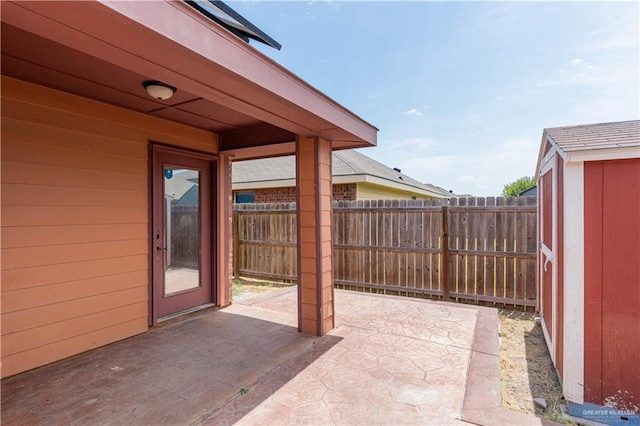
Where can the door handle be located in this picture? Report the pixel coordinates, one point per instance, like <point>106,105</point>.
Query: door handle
<point>548,255</point>
<point>158,248</point>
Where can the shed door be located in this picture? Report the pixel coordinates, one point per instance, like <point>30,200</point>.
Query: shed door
<point>181,243</point>
<point>546,255</point>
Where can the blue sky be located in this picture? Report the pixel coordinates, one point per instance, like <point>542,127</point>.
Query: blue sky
<point>461,91</point>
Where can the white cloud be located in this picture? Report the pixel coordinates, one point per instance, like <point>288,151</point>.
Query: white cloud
<point>474,179</point>
<point>413,113</point>
<point>478,171</point>
<point>576,61</point>
<point>420,143</point>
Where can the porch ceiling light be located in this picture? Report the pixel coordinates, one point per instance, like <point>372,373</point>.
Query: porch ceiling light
<point>159,90</point>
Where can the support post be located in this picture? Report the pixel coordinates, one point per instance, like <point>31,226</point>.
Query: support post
<point>315,247</point>
<point>223,243</point>
<point>236,244</point>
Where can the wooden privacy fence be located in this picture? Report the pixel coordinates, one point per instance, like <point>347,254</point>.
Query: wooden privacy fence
<point>400,247</point>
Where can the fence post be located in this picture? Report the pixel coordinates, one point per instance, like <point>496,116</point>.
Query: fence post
<point>445,253</point>
<point>235,226</point>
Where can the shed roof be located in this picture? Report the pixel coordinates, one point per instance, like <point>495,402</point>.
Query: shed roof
<point>348,166</point>
<point>596,136</point>
<point>592,142</point>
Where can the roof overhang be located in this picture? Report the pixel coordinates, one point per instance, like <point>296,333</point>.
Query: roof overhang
<point>599,154</point>
<point>342,179</point>
<point>224,85</point>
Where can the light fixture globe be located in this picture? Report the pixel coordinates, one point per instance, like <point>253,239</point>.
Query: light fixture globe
<point>159,90</point>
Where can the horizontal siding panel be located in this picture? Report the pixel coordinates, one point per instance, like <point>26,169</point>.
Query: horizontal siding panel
<point>50,255</point>
<point>24,361</point>
<point>61,118</point>
<point>75,221</point>
<point>15,130</point>
<point>38,174</point>
<point>20,152</point>
<point>47,215</point>
<point>29,298</point>
<point>16,279</point>
<point>13,322</point>
<point>99,118</point>
<point>32,195</point>
<point>64,330</point>
<point>22,236</point>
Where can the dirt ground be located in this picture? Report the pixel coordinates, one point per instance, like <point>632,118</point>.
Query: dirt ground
<point>246,288</point>
<point>526,368</point>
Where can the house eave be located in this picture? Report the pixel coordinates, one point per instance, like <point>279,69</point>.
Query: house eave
<point>341,179</point>
<point>172,42</point>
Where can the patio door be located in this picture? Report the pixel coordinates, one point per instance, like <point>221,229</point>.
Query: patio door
<point>181,246</point>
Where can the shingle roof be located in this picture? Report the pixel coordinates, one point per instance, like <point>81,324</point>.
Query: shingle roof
<point>596,136</point>
<point>345,163</point>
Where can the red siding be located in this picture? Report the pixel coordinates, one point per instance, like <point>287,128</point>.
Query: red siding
<point>612,277</point>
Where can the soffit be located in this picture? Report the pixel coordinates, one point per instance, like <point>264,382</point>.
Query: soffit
<point>223,84</point>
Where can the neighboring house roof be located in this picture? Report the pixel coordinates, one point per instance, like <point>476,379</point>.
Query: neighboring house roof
<point>593,141</point>
<point>180,183</point>
<point>533,191</point>
<point>349,166</point>
<point>190,198</point>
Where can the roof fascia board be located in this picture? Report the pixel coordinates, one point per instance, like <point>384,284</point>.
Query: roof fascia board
<point>604,154</point>
<point>263,151</point>
<point>399,185</point>
<point>361,178</point>
<point>262,71</point>
<point>61,25</point>
<point>265,184</point>
<point>546,138</point>
<point>365,178</point>
<point>182,47</point>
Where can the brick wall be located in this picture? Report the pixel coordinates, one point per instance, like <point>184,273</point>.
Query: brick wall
<point>345,191</point>
<point>275,195</point>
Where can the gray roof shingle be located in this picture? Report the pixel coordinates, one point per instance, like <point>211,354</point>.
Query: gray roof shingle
<point>345,163</point>
<point>596,136</point>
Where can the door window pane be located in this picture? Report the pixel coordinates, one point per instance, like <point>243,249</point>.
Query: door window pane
<point>182,230</point>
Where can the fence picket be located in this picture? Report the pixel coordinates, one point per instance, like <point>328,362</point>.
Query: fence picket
<point>397,247</point>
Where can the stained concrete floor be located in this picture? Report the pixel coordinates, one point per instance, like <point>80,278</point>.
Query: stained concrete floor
<point>390,360</point>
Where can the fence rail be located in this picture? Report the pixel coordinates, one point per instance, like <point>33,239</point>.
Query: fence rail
<point>400,246</point>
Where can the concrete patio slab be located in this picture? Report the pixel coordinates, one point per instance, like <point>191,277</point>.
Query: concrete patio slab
<point>398,361</point>
<point>390,360</point>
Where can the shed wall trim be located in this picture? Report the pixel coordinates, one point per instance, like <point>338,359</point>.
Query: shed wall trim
<point>604,154</point>
<point>573,356</point>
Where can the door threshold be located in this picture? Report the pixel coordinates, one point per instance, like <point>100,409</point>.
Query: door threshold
<point>185,312</point>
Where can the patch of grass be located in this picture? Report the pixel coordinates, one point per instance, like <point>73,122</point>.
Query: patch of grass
<point>236,287</point>
<point>247,288</point>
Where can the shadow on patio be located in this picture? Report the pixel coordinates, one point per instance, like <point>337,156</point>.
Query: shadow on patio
<point>178,373</point>
<point>390,360</point>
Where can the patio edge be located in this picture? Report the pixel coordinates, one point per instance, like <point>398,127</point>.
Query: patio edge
<point>482,399</point>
